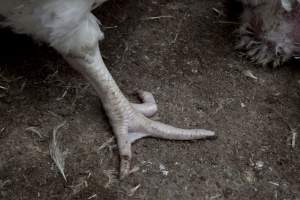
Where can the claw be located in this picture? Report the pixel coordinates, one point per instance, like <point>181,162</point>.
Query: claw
<point>129,121</point>
<point>164,131</point>
<point>139,127</point>
<point>124,167</point>
<point>148,107</point>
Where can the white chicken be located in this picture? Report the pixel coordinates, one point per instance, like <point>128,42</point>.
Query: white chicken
<point>69,27</point>
<point>270,30</point>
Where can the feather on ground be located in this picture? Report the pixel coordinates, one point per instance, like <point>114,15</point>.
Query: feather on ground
<point>70,28</point>
<point>56,153</point>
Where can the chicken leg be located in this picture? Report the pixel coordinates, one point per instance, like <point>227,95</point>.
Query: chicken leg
<point>129,121</point>
<point>70,28</point>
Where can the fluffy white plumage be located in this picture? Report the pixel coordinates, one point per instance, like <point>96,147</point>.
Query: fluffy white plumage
<point>71,28</point>
<point>61,23</point>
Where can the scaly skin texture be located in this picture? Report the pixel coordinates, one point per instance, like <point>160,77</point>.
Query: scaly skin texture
<point>129,121</point>
<point>270,31</point>
<point>71,28</point>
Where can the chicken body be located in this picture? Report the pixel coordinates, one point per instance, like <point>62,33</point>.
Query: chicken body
<point>270,30</point>
<point>57,22</point>
<point>70,28</point>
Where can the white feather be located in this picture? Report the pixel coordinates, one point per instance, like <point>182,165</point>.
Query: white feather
<point>64,24</point>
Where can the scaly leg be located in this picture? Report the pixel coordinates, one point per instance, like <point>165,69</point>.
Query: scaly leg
<point>129,121</point>
<point>70,28</point>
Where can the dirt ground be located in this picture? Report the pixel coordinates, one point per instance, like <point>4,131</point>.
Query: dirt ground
<point>185,57</point>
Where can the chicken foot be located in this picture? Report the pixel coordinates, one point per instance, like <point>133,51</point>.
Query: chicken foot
<point>129,121</point>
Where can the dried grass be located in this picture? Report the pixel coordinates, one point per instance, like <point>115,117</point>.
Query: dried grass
<point>35,131</point>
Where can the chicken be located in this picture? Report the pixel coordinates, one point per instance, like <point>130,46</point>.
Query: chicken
<point>270,30</point>
<point>69,27</point>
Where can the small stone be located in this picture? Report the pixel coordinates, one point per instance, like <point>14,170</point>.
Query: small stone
<point>163,170</point>
<point>259,165</point>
